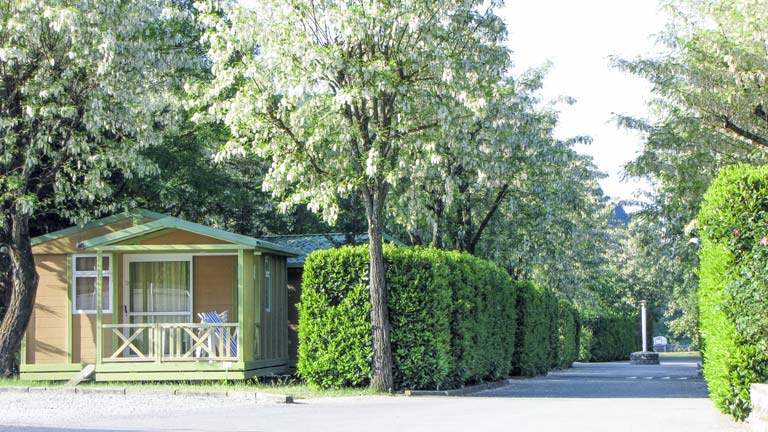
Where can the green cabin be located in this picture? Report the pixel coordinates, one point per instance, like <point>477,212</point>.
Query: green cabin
<point>144,297</point>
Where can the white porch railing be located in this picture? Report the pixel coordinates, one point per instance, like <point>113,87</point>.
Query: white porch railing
<point>172,342</point>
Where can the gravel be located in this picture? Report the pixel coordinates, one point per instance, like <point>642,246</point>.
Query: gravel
<point>61,409</point>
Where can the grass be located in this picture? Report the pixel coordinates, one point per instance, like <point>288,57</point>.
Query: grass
<point>282,386</point>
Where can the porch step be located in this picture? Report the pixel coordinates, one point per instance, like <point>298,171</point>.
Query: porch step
<point>84,375</point>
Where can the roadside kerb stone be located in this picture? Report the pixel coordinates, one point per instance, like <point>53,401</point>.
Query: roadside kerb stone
<point>101,390</point>
<point>273,398</point>
<point>201,393</point>
<point>130,391</point>
<point>67,390</point>
<point>459,392</point>
<point>14,389</point>
<point>137,391</point>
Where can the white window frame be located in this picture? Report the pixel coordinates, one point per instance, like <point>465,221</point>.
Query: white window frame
<point>105,309</point>
<point>268,283</point>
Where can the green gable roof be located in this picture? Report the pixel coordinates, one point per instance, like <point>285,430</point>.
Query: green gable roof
<point>136,213</point>
<point>161,222</point>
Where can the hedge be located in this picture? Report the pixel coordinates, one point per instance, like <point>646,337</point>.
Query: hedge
<point>452,316</point>
<point>568,334</point>
<point>537,310</point>
<point>608,336</point>
<point>733,285</point>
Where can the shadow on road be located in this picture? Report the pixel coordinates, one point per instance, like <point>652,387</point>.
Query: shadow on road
<point>676,377</point>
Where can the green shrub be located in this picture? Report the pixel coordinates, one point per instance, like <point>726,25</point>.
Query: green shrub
<point>608,336</point>
<point>452,317</point>
<point>733,284</point>
<point>568,334</point>
<point>333,313</point>
<point>534,350</point>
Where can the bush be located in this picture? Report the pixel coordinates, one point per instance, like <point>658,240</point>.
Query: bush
<point>483,320</point>
<point>535,350</point>
<point>608,336</point>
<point>569,330</point>
<point>733,285</point>
<point>452,318</point>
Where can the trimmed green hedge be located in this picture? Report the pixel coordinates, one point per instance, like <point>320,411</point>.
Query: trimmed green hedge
<point>453,318</point>
<point>733,285</point>
<point>608,336</point>
<point>537,311</point>
<point>568,334</point>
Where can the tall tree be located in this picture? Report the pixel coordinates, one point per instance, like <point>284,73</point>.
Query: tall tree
<point>347,97</point>
<point>710,112</point>
<point>84,88</point>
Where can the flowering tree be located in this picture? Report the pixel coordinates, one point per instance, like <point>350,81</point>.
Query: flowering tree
<point>351,98</point>
<point>84,87</point>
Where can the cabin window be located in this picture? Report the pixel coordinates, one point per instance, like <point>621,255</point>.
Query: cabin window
<point>84,276</point>
<point>268,283</point>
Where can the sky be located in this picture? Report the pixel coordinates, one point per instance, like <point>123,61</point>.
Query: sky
<point>577,37</point>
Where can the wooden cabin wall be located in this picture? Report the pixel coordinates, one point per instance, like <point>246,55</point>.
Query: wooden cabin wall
<point>47,330</point>
<point>294,297</point>
<point>214,281</point>
<point>274,324</point>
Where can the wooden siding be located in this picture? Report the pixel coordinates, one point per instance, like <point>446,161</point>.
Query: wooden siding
<point>180,237</point>
<point>213,281</point>
<point>294,297</point>
<point>274,324</point>
<point>47,330</point>
<point>68,244</point>
<point>84,337</point>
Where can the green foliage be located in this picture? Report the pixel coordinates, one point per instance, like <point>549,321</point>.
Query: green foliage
<point>534,349</point>
<point>334,320</point>
<point>732,292</point>
<point>483,318</point>
<point>569,331</point>
<point>453,318</point>
<point>608,336</point>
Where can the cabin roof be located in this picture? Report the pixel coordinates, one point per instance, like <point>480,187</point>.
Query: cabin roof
<point>308,243</point>
<point>160,222</point>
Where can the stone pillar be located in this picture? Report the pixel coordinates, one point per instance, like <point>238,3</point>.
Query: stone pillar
<point>644,357</point>
<point>643,329</point>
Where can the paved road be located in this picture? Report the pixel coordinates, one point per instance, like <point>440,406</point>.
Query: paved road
<point>589,397</point>
<point>676,377</point>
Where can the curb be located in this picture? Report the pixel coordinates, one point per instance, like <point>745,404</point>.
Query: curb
<point>262,398</point>
<point>459,392</point>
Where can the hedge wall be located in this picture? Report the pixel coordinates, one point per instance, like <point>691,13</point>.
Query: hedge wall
<point>453,318</point>
<point>537,331</point>
<point>568,334</point>
<point>733,285</point>
<point>608,336</point>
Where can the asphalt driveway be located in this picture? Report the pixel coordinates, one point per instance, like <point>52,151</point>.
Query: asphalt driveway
<point>589,397</point>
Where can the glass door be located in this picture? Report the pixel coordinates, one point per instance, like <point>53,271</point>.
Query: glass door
<point>158,289</point>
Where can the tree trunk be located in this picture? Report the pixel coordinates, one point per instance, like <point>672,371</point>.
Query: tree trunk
<point>382,351</point>
<point>437,227</point>
<point>23,289</point>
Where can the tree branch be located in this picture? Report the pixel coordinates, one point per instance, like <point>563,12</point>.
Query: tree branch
<point>500,196</point>
<point>754,138</point>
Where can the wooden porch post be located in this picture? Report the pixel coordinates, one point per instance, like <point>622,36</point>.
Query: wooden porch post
<point>240,302</point>
<point>99,307</point>
<point>70,345</point>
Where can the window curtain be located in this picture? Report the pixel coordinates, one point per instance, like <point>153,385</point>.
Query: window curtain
<point>160,287</point>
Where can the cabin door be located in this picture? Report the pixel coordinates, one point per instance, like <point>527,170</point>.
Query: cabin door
<point>157,289</point>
